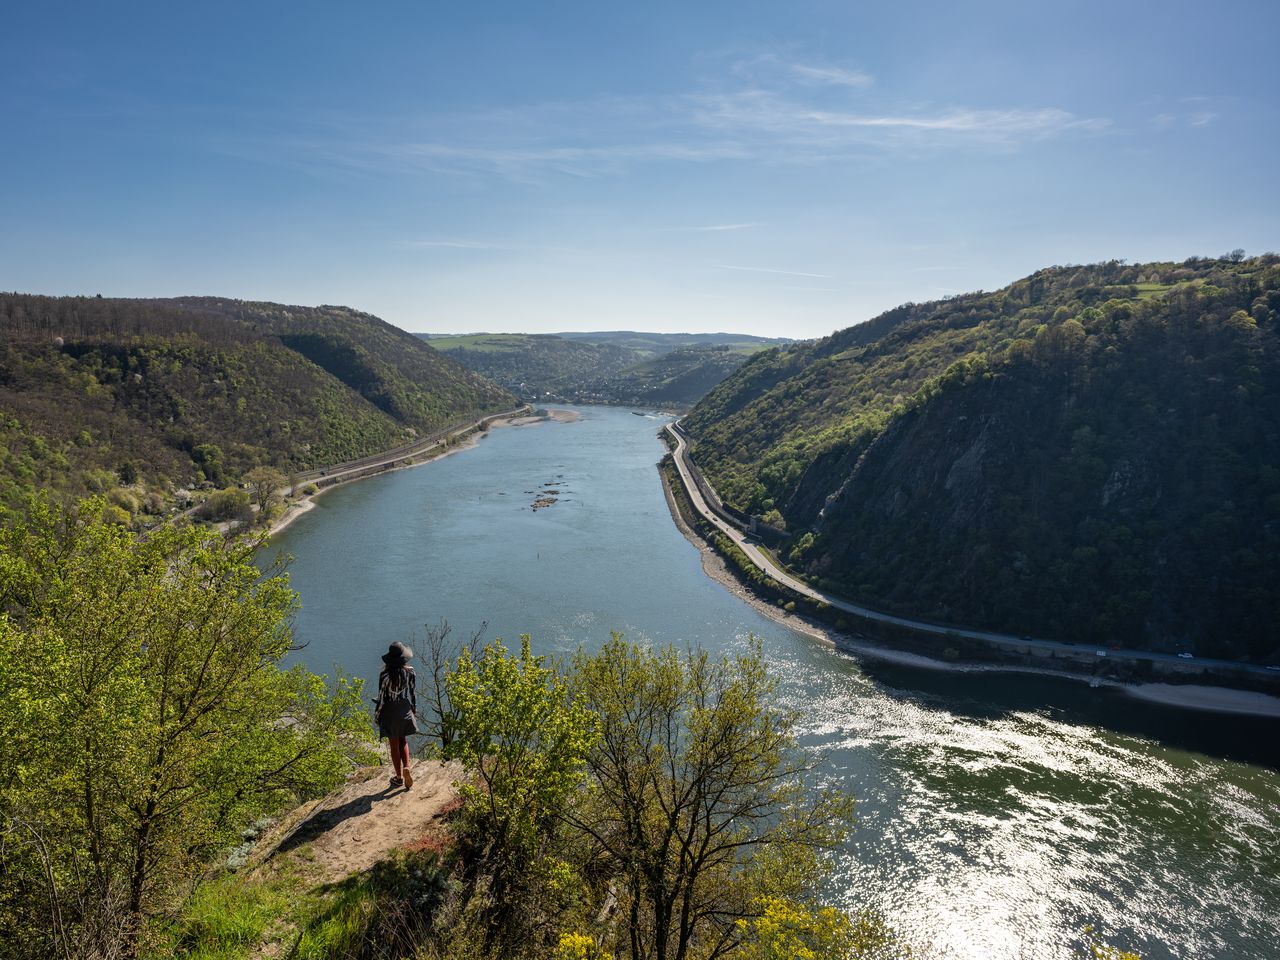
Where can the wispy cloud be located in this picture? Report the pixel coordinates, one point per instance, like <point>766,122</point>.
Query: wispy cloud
<point>1001,123</point>
<point>1199,118</point>
<point>771,66</point>
<point>836,76</point>
<point>716,227</point>
<point>457,244</point>
<point>784,273</point>
<point>765,110</point>
<point>767,113</point>
<point>384,154</point>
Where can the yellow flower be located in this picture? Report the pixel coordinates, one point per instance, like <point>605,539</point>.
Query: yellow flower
<point>578,946</point>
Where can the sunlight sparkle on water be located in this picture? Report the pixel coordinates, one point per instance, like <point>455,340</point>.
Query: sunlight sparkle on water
<point>997,816</point>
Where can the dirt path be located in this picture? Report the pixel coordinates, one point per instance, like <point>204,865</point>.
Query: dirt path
<point>364,821</point>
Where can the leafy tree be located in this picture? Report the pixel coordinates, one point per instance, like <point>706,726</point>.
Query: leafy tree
<point>144,719</point>
<point>789,930</point>
<point>208,457</point>
<point>265,484</point>
<point>229,504</point>
<point>117,515</point>
<point>524,738</point>
<point>658,788</point>
<point>697,802</point>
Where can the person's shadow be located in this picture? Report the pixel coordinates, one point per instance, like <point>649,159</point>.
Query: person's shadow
<point>323,820</point>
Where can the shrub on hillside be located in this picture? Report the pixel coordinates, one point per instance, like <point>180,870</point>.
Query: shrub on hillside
<point>229,504</point>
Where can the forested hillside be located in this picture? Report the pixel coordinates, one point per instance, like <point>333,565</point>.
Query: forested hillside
<point>536,365</point>
<point>387,366</point>
<point>1091,453</point>
<point>674,369</point>
<point>96,393</point>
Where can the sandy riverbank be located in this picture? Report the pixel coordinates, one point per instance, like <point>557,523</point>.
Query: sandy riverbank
<point>1189,696</point>
<point>559,416</point>
<point>293,510</point>
<point>1216,699</point>
<point>303,504</point>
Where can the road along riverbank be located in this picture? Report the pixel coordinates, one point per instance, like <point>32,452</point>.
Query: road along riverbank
<point>428,450</point>
<point>1167,680</point>
<point>998,815</point>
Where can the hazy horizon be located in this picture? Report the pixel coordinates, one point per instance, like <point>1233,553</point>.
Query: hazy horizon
<point>587,328</point>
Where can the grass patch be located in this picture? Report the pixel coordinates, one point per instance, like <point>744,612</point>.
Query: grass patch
<point>226,919</point>
<point>1148,291</point>
<point>340,926</point>
<point>482,342</point>
<point>749,347</point>
<point>284,913</point>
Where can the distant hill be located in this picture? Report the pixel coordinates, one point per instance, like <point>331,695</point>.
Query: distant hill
<point>628,367</point>
<point>1091,453</point>
<point>98,392</point>
<point>654,344</point>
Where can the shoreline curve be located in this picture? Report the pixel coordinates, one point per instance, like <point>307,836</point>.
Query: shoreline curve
<point>306,503</point>
<point>1177,696</point>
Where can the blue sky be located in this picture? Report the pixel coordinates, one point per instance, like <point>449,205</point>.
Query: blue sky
<point>772,168</point>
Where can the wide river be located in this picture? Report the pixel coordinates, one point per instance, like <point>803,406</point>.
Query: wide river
<point>997,814</point>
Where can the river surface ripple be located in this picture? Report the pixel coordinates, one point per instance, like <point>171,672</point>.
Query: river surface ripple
<point>997,814</point>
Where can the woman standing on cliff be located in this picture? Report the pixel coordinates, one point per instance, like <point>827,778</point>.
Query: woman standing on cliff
<point>395,708</point>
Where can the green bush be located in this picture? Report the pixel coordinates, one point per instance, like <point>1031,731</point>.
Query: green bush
<point>169,649</point>
<point>123,499</point>
<point>229,504</point>
<point>116,516</point>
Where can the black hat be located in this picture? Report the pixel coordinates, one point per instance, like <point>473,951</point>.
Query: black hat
<point>397,654</point>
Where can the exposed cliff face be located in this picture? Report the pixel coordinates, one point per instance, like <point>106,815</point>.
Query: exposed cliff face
<point>1112,477</point>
